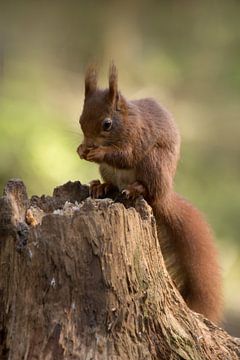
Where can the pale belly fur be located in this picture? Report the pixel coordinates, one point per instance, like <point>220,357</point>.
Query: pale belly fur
<point>118,177</point>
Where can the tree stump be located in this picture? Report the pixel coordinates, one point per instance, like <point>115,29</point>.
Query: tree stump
<point>85,279</point>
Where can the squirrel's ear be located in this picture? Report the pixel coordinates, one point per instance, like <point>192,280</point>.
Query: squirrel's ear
<point>90,80</point>
<point>113,79</point>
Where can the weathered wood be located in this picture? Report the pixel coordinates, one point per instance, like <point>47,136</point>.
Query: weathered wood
<point>88,281</point>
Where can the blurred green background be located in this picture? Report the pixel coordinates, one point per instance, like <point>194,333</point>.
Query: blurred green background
<point>185,54</point>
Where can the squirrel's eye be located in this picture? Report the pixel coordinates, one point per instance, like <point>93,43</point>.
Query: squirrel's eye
<point>107,124</point>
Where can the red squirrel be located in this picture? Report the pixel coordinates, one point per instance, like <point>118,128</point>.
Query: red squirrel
<point>137,145</point>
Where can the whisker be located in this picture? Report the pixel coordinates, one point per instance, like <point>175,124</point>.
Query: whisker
<point>115,146</point>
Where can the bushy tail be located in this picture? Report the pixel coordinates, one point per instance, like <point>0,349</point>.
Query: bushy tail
<point>190,255</point>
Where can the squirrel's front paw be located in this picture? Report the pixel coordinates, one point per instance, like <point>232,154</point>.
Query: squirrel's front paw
<point>82,151</point>
<point>96,154</point>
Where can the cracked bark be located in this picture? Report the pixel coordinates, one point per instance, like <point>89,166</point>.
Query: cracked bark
<point>87,280</point>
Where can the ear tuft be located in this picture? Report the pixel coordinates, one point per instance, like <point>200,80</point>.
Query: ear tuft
<point>113,80</point>
<point>91,79</point>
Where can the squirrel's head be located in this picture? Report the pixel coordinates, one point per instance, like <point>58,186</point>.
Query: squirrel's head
<point>104,111</point>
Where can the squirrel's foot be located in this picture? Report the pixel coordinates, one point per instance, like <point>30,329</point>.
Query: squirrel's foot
<point>134,190</point>
<point>98,190</point>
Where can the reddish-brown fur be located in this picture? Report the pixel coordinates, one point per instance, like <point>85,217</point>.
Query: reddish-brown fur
<point>139,155</point>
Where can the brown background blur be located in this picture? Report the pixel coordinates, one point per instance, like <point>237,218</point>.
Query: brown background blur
<point>185,54</point>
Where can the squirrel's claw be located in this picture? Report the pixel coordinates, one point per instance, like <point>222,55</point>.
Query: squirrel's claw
<point>126,192</point>
<point>134,190</point>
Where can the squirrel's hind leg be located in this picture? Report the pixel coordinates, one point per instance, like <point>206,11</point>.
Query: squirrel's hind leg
<point>134,190</point>
<point>99,190</point>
